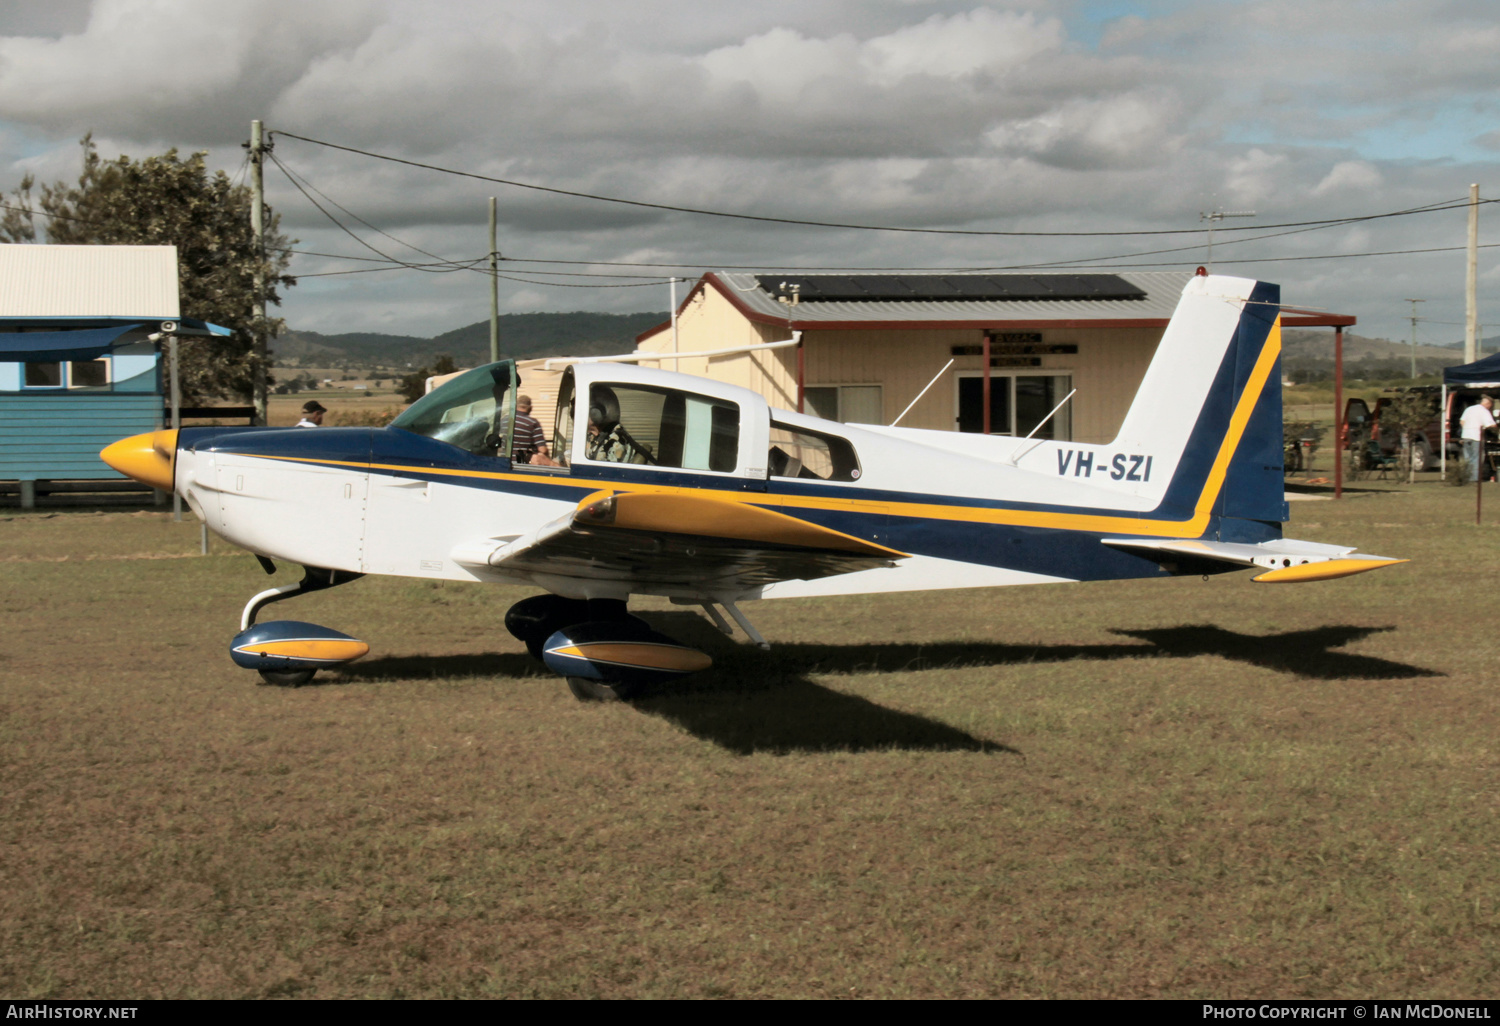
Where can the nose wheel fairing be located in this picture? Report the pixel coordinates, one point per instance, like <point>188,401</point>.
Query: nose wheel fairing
<point>289,652</point>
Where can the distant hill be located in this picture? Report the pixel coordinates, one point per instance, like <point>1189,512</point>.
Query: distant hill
<point>522,337</point>
<point>1308,355</point>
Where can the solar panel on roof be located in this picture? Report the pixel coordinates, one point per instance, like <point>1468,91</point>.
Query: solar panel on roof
<point>950,287</point>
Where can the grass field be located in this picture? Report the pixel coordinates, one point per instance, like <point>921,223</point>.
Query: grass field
<point>1179,789</point>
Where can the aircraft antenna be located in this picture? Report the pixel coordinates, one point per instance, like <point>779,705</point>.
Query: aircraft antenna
<point>923,392</point>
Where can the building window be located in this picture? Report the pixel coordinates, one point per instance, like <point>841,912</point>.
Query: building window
<point>88,374</point>
<point>74,374</point>
<point>847,404</point>
<point>44,374</point>
<point>1018,403</point>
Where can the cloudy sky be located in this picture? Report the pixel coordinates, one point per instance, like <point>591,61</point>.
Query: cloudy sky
<point>1049,116</point>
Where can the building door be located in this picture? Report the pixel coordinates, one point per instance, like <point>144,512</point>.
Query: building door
<point>1018,402</point>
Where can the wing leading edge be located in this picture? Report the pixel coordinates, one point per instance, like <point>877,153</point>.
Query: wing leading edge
<point>694,542</point>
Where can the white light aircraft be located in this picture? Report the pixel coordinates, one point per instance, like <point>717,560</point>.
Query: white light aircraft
<point>678,486</point>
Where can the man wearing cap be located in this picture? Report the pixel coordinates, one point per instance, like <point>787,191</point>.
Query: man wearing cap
<point>312,414</point>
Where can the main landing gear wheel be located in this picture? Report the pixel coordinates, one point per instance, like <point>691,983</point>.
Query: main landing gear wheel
<point>532,621</point>
<point>286,678</point>
<point>597,691</point>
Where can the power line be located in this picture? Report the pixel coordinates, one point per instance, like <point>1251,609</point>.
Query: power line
<point>290,174</point>
<point>56,217</point>
<point>834,224</point>
<point>1336,256</point>
<point>397,265</point>
<point>353,235</point>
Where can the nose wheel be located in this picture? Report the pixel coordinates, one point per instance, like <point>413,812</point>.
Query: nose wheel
<point>586,690</point>
<point>286,678</point>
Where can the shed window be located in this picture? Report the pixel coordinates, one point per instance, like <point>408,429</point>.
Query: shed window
<point>79,374</point>
<point>88,374</point>
<point>45,374</point>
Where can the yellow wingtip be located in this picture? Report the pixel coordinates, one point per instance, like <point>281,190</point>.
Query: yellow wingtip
<point>1326,570</point>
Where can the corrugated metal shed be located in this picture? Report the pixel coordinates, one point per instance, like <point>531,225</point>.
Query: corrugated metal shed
<point>76,282</point>
<point>1162,288</point>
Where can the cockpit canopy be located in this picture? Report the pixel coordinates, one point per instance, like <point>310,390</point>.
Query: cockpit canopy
<point>474,411</point>
<point>640,416</point>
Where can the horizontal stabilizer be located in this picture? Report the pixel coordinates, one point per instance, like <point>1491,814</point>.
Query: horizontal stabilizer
<point>1285,560</point>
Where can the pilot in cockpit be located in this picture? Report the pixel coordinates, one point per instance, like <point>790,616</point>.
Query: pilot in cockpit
<point>608,441</point>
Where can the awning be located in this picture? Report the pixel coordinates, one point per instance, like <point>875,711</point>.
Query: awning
<point>1483,373</point>
<point>36,346</point>
<point>193,326</point>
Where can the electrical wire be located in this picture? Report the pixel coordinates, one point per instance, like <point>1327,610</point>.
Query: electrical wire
<point>353,235</point>
<point>783,269</point>
<point>1333,256</point>
<point>291,174</point>
<point>860,227</point>
<point>55,217</point>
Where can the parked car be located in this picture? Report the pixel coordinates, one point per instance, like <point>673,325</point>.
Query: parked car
<point>1362,423</point>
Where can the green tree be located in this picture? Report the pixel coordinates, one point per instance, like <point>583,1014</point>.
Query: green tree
<point>1405,417</point>
<point>414,385</point>
<point>172,201</point>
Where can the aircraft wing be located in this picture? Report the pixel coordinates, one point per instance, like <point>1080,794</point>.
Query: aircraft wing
<point>1285,560</point>
<point>690,541</point>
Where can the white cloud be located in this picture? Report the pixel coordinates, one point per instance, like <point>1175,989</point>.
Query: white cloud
<point>927,113</point>
<point>1255,177</point>
<point>983,40</point>
<point>145,65</point>
<point>1131,130</point>
<point>1349,176</point>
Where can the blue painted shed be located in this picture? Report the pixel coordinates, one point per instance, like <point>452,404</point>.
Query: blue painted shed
<point>80,362</point>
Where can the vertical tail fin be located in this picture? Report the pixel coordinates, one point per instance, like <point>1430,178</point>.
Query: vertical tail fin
<point>1212,395</point>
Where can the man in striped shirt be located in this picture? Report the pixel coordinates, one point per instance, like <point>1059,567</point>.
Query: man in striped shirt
<point>530,441</point>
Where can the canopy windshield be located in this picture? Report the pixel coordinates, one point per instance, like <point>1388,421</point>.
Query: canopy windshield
<point>473,411</point>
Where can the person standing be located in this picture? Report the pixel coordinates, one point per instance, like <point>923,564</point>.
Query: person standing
<point>312,414</point>
<point>530,441</point>
<point>1475,421</point>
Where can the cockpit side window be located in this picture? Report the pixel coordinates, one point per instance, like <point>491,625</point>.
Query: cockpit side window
<point>662,427</point>
<point>474,411</point>
<point>796,452</point>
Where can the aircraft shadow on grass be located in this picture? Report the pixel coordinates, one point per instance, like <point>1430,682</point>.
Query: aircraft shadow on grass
<point>755,701</point>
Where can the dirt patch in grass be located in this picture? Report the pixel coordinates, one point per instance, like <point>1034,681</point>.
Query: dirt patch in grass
<point>1183,789</point>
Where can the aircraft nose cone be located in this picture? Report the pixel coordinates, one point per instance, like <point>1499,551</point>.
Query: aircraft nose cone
<point>148,458</point>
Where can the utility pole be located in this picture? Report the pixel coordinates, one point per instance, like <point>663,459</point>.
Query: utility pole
<point>494,289</point>
<point>1218,215</point>
<point>673,300</point>
<point>258,227</point>
<point>1471,321</point>
<point>1414,303</point>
